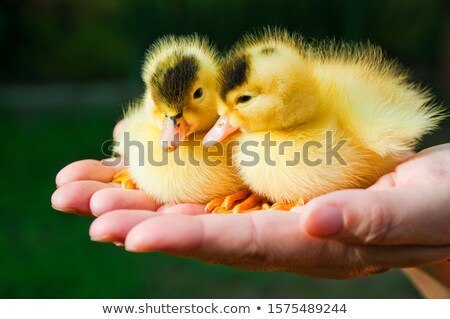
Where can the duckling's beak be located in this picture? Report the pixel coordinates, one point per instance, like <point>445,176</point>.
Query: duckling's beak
<point>173,132</point>
<point>221,130</point>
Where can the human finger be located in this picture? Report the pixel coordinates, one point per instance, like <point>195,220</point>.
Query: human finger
<point>75,197</point>
<point>114,226</point>
<point>398,216</point>
<point>270,241</point>
<point>118,129</point>
<point>86,170</point>
<point>109,199</point>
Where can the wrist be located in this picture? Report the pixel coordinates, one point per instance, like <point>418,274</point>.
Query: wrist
<point>439,271</point>
<point>433,281</point>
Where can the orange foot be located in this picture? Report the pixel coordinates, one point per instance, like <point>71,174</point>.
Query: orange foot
<point>124,178</point>
<point>247,202</point>
<point>283,206</point>
<point>253,202</point>
<point>265,204</point>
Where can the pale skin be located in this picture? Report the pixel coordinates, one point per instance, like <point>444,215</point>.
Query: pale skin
<point>402,221</point>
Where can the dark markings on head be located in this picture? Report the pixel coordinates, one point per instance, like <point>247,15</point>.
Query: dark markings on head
<point>171,84</point>
<point>267,50</point>
<point>234,73</point>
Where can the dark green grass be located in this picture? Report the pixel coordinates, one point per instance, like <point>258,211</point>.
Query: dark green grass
<point>47,254</point>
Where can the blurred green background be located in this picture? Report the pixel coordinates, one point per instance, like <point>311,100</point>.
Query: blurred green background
<point>67,70</point>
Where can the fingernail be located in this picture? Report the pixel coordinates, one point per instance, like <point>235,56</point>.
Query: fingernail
<point>95,213</point>
<point>102,238</point>
<point>118,243</point>
<point>66,209</point>
<point>325,222</point>
<point>132,249</point>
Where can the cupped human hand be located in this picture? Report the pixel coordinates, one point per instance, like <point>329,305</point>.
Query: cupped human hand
<point>401,221</point>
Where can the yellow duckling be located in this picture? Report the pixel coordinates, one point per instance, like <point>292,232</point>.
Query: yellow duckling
<point>161,142</point>
<point>316,118</point>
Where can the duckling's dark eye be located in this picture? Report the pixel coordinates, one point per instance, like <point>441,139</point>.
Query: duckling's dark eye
<point>243,98</point>
<point>198,93</point>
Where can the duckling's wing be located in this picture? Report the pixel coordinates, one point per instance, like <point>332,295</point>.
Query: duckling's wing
<point>377,102</point>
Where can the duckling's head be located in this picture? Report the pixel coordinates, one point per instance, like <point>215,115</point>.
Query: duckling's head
<point>181,78</point>
<point>267,84</point>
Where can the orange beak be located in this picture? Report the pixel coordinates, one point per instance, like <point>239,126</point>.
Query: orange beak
<point>220,131</point>
<point>173,132</point>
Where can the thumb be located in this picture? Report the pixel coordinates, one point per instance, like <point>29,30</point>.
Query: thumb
<point>118,129</point>
<point>404,215</point>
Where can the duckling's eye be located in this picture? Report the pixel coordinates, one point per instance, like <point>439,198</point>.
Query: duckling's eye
<point>198,93</point>
<point>243,99</point>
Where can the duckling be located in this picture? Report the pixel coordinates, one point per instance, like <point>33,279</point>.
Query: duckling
<point>161,141</point>
<point>318,118</point>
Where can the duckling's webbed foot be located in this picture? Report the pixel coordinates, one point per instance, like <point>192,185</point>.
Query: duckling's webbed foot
<point>253,202</point>
<point>240,202</point>
<point>223,205</point>
<point>281,206</point>
<point>284,206</point>
<point>124,179</point>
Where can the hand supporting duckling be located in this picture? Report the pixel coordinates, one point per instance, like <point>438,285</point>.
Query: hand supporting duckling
<point>408,226</point>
